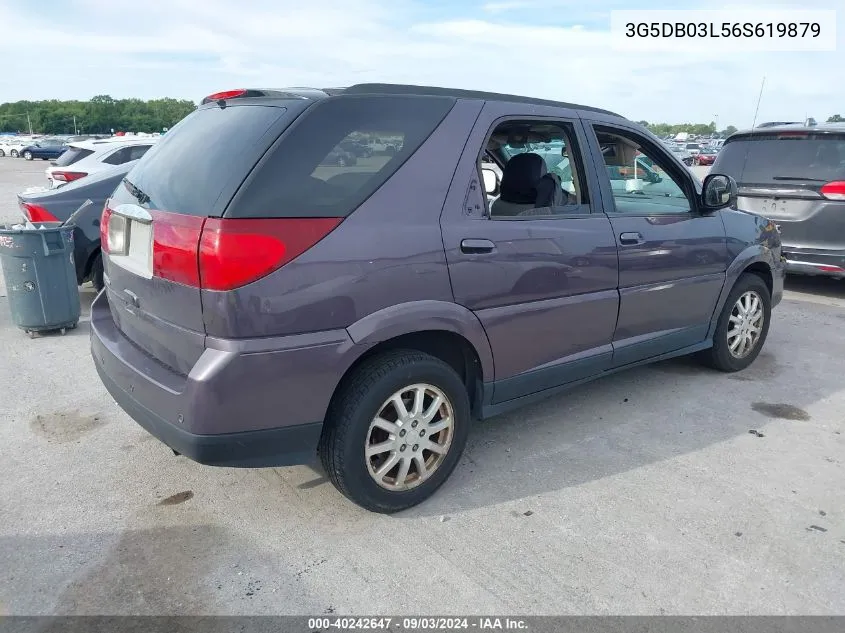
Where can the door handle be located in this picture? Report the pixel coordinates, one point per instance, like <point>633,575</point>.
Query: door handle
<point>475,246</point>
<point>631,238</point>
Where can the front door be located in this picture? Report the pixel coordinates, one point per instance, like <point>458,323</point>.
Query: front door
<point>541,279</point>
<point>672,258</point>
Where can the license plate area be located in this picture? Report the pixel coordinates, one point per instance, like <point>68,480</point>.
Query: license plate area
<point>130,235</point>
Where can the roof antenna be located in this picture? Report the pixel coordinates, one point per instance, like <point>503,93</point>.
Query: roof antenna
<point>753,127</point>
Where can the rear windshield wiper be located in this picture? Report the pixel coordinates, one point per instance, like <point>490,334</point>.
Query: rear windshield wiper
<point>139,195</point>
<point>798,178</point>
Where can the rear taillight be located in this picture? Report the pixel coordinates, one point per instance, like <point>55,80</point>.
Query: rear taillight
<point>233,253</point>
<point>35,213</point>
<point>834,190</point>
<point>104,228</point>
<point>68,176</point>
<point>215,253</point>
<point>175,242</point>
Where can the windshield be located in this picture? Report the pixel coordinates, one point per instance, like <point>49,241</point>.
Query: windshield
<point>771,158</point>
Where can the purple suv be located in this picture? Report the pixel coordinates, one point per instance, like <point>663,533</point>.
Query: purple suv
<point>266,303</point>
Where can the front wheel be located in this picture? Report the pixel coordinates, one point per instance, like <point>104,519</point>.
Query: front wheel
<point>14,153</point>
<point>743,326</point>
<point>27,155</point>
<point>396,430</point>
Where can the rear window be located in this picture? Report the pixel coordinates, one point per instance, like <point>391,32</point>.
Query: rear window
<point>189,168</point>
<point>768,158</point>
<point>339,153</point>
<point>72,155</point>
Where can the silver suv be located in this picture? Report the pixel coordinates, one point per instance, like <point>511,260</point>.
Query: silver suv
<point>795,176</point>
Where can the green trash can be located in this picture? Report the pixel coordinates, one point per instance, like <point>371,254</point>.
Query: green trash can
<point>40,276</point>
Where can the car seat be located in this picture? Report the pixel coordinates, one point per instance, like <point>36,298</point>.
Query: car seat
<point>518,191</point>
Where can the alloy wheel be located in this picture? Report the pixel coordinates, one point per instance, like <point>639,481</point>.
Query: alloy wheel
<point>745,324</point>
<point>409,437</point>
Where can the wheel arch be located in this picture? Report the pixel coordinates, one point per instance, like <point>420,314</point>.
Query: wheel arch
<point>445,330</point>
<point>756,260</point>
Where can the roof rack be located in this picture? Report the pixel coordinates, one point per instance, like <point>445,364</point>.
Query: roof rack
<point>407,89</point>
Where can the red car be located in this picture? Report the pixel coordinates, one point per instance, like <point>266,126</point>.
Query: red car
<point>706,156</point>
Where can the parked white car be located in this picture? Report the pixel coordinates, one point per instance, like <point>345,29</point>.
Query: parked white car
<point>12,146</point>
<point>87,157</point>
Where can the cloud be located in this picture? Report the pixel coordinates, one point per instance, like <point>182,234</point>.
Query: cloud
<point>547,48</point>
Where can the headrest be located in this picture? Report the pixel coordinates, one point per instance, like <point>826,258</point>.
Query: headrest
<point>520,177</point>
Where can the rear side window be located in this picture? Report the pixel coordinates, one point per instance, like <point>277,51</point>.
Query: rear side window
<point>187,170</point>
<point>72,155</point>
<point>118,158</point>
<point>137,151</point>
<point>125,154</point>
<point>768,158</point>
<point>339,153</point>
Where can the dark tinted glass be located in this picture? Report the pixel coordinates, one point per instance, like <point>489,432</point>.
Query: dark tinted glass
<point>117,158</point>
<point>337,154</point>
<point>771,158</point>
<point>189,167</point>
<point>137,151</point>
<point>72,155</point>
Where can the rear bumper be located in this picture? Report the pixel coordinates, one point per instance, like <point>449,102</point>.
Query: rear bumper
<point>805,261</point>
<point>246,403</point>
<point>282,446</point>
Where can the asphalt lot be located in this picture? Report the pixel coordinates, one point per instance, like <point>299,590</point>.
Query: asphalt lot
<point>642,493</point>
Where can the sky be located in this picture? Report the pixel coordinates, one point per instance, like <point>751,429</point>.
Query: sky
<point>556,49</point>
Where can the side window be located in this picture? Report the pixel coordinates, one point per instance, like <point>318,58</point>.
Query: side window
<point>640,178</point>
<point>541,174</point>
<point>119,157</point>
<point>338,154</point>
<point>137,151</point>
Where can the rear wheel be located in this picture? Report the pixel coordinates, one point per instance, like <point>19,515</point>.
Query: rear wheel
<point>27,155</point>
<point>396,430</point>
<point>743,326</point>
<point>97,272</point>
<point>2,153</point>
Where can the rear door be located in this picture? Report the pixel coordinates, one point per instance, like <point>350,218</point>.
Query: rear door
<point>795,178</point>
<point>544,287</point>
<point>153,221</point>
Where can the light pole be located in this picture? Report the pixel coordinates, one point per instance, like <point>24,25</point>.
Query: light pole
<point>716,117</point>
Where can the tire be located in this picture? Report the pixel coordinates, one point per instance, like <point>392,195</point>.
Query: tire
<point>2,154</point>
<point>350,427</point>
<point>97,272</point>
<point>14,153</point>
<point>27,155</point>
<point>720,356</point>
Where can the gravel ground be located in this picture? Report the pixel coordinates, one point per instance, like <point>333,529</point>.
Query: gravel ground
<point>642,493</point>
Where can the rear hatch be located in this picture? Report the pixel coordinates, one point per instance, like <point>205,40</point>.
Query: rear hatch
<point>61,172</point>
<point>153,224</point>
<point>794,177</point>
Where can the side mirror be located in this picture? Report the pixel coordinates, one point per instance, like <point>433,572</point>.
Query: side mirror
<point>718,191</point>
<point>491,181</point>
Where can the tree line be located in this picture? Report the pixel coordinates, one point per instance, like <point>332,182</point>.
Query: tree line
<point>100,115</point>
